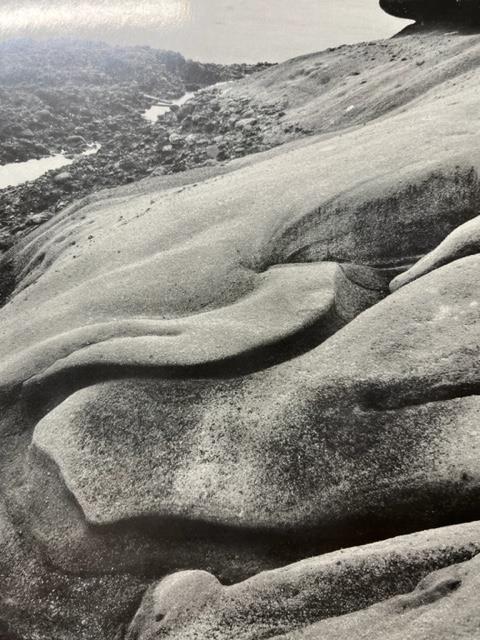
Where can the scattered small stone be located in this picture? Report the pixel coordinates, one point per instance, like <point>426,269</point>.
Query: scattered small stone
<point>63,177</point>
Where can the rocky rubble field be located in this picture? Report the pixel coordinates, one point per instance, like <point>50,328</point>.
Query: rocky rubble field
<point>62,96</point>
<point>204,131</point>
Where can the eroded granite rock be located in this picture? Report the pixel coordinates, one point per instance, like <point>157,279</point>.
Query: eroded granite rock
<point>442,607</point>
<point>207,373</point>
<point>320,592</point>
<point>463,241</point>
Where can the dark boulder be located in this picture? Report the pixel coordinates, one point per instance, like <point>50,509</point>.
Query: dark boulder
<point>467,11</point>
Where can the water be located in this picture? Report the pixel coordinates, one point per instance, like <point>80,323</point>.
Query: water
<point>15,173</point>
<point>153,113</point>
<point>209,30</point>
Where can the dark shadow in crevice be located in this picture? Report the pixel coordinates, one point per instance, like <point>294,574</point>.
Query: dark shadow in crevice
<point>442,25</point>
<point>415,392</point>
<point>7,279</point>
<point>6,633</point>
<point>257,549</point>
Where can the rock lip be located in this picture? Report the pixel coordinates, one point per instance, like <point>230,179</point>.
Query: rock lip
<point>312,599</point>
<point>466,11</point>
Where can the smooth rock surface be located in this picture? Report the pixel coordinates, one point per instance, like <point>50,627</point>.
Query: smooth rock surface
<point>361,447</point>
<point>193,605</point>
<point>463,241</point>
<point>442,607</point>
<point>227,232</point>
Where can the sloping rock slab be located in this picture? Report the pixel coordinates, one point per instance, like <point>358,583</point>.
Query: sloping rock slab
<point>194,605</point>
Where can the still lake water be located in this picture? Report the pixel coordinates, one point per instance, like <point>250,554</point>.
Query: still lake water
<point>15,173</point>
<point>153,113</point>
<point>207,30</point>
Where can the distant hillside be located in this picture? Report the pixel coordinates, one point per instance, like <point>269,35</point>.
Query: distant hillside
<point>25,62</point>
<point>351,85</point>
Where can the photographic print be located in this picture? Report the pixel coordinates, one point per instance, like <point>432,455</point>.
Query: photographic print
<point>239,319</point>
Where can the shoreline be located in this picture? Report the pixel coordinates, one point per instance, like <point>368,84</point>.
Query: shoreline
<point>46,110</point>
